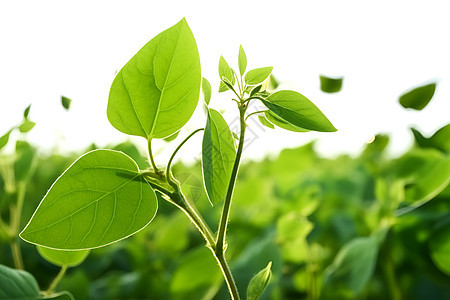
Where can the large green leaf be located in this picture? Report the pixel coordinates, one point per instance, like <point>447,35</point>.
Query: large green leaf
<point>439,140</point>
<point>256,76</point>
<point>157,91</point>
<point>330,85</point>
<point>352,268</point>
<point>218,154</point>
<point>259,283</point>
<point>63,257</point>
<point>419,97</point>
<point>17,284</point>
<point>101,198</point>
<point>298,110</point>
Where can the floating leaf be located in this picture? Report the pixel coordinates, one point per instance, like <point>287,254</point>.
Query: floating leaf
<point>257,76</point>
<point>26,126</point>
<point>262,119</point>
<point>65,102</point>
<point>100,199</point>
<point>298,110</point>
<point>4,139</point>
<point>439,140</point>
<point>259,283</point>
<point>330,85</point>
<point>63,257</point>
<point>206,89</point>
<point>419,97</point>
<point>271,117</point>
<point>26,112</point>
<point>242,59</point>
<point>156,92</point>
<point>218,154</point>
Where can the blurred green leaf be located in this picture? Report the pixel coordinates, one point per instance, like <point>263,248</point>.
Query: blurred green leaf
<point>62,257</point>
<point>4,139</point>
<point>66,102</point>
<point>25,161</point>
<point>173,236</point>
<point>242,60</point>
<point>439,140</point>
<point>298,110</point>
<point>419,97</point>
<point>351,269</point>
<point>206,89</point>
<point>257,76</point>
<point>259,283</point>
<point>330,85</point>
<point>439,245</point>
<point>26,126</point>
<point>17,284</point>
<point>218,154</point>
<point>99,199</point>
<point>26,112</point>
<point>273,82</point>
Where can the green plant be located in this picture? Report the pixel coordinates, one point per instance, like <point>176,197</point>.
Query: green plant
<point>104,197</point>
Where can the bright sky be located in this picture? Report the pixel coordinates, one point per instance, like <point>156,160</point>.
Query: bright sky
<point>54,48</point>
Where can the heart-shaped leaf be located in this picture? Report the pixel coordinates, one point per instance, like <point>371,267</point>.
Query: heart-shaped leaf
<point>156,92</point>
<point>298,110</point>
<point>100,199</point>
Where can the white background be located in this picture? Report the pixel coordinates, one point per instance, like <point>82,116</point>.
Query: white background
<point>382,48</point>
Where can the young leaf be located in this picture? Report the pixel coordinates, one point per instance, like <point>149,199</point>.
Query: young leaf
<point>352,267</point>
<point>206,89</point>
<point>256,76</point>
<point>263,120</point>
<point>62,257</point>
<point>26,112</point>
<point>65,102</point>
<point>100,199</point>
<point>17,284</point>
<point>156,92</point>
<point>330,85</point>
<point>298,110</point>
<point>218,154</point>
<point>255,90</point>
<point>4,139</point>
<point>26,126</point>
<point>419,97</point>
<point>242,60</point>
<point>227,72</point>
<point>259,283</point>
<point>274,119</point>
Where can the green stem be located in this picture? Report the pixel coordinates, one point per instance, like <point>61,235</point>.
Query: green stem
<point>57,279</point>
<point>16,213</point>
<point>150,156</point>
<point>256,112</point>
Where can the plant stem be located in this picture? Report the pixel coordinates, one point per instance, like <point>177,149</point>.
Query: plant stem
<point>16,213</point>
<point>227,274</point>
<point>255,112</point>
<point>57,279</point>
<point>150,156</point>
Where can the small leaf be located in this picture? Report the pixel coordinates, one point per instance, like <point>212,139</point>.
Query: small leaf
<point>255,90</point>
<point>171,137</point>
<point>157,91</point>
<point>352,267</point>
<point>330,85</point>
<point>26,112</point>
<point>4,139</point>
<point>17,284</point>
<point>100,199</point>
<point>298,110</point>
<point>259,283</point>
<point>419,97</point>
<point>63,257</point>
<point>227,72</point>
<point>65,102</point>
<point>206,89</point>
<point>262,119</point>
<point>26,126</point>
<point>218,154</point>
<point>242,59</point>
<point>257,76</point>
<point>274,119</point>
